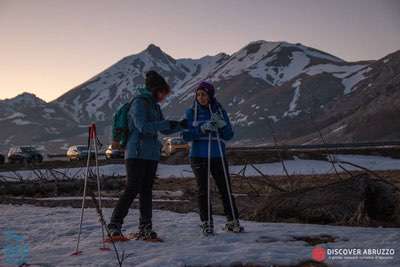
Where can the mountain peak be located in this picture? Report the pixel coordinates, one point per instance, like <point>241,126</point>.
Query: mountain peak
<point>255,46</point>
<point>263,42</point>
<point>156,53</point>
<point>154,50</point>
<point>26,99</point>
<point>152,46</point>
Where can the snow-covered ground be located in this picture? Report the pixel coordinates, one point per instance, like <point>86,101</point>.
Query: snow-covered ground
<point>297,166</point>
<point>50,235</point>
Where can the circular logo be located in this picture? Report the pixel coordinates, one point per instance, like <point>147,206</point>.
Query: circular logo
<point>318,254</point>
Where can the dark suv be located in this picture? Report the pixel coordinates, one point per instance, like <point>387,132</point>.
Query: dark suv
<point>24,154</point>
<point>2,159</point>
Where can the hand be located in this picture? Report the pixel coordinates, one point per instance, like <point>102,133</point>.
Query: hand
<point>115,145</point>
<point>183,124</point>
<point>208,127</point>
<point>218,120</point>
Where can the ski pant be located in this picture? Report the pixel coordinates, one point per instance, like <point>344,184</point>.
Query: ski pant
<point>200,170</point>
<point>140,176</point>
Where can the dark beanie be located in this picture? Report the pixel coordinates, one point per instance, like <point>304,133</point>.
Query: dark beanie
<point>208,88</point>
<point>155,82</point>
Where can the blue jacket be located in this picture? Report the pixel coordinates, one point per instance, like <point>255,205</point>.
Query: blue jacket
<point>198,138</point>
<point>145,120</point>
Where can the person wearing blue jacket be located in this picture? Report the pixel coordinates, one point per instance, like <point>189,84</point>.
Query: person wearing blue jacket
<point>205,120</point>
<point>142,153</point>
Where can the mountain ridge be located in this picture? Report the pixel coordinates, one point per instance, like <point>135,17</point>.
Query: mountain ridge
<point>272,81</point>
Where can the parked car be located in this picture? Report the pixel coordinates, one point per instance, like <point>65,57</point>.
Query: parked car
<point>2,159</point>
<point>173,144</point>
<point>24,154</point>
<point>79,152</point>
<point>114,153</point>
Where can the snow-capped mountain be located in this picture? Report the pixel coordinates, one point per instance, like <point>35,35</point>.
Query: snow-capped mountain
<point>27,119</point>
<point>97,99</point>
<point>24,99</point>
<point>289,88</point>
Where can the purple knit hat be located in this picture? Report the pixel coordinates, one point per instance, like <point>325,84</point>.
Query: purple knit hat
<point>208,88</point>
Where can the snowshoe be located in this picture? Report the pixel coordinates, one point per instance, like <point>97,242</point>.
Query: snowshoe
<point>115,234</point>
<point>149,237</point>
<point>208,229</point>
<point>117,238</point>
<point>233,227</point>
<point>145,234</point>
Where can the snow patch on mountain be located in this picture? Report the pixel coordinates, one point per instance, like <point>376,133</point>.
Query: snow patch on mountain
<point>238,118</point>
<point>298,63</point>
<point>276,74</point>
<point>97,100</point>
<point>197,70</point>
<point>292,112</point>
<point>340,128</point>
<point>245,58</point>
<point>339,71</point>
<point>13,116</point>
<point>354,79</point>
<point>273,118</point>
<point>21,122</point>
<point>49,110</point>
<point>318,54</point>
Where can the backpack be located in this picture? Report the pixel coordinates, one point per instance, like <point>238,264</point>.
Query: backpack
<point>120,129</point>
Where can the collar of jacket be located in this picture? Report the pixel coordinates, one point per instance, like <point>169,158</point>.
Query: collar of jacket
<point>142,91</point>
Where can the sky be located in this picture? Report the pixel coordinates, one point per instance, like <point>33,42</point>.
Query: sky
<point>47,47</point>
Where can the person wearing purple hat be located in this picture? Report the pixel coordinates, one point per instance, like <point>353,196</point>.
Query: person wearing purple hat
<point>208,128</point>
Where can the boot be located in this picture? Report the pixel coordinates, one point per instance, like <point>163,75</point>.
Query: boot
<point>146,232</point>
<point>233,226</point>
<point>114,229</point>
<point>208,229</point>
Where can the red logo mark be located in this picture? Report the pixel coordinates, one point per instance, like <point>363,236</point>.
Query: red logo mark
<point>318,254</point>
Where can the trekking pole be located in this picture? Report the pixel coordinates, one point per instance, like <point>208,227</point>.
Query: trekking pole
<point>225,171</point>
<point>77,252</point>
<point>94,137</point>
<point>103,222</point>
<point>209,179</point>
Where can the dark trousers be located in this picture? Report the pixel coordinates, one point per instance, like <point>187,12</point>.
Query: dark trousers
<point>200,170</point>
<point>140,176</point>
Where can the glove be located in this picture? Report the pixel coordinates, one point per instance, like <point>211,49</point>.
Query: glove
<point>184,124</point>
<point>208,127</point>
<point>218,121</point>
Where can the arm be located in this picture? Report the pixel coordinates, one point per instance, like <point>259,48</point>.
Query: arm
<point>226,133</point>
<point>138,115</point>
<point>193,132</point>
<point>169,131</point>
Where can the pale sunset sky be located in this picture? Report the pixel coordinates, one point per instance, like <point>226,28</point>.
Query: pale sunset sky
<point>49,46</point>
